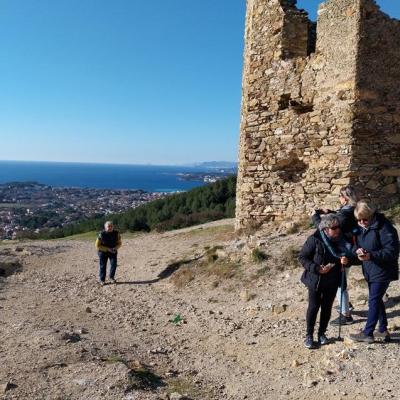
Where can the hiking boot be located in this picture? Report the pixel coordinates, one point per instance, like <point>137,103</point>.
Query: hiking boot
<point>309,342</point>
<point>322,340</point>
<point>343,320</point>
<point>385,336</point>
<point>361,337</point>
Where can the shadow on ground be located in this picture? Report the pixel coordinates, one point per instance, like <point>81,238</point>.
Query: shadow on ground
<point>164,274</point>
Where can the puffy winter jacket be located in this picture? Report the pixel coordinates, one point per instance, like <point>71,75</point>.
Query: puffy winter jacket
<point>314,254</point>
<point>382,242</point>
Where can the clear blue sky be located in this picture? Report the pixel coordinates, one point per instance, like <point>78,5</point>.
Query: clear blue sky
<point>123,81</point>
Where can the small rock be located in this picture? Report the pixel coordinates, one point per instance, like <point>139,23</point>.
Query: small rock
<point>245,295</point>
<point>175,396</point>
<point>4,387</point>
<point>88,310</point>
<point>311,383</point>
<point>279,309</point>
<point>295,364</point>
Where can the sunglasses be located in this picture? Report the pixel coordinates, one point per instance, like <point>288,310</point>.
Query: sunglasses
<point>334,228</point>
<point>363,220</point>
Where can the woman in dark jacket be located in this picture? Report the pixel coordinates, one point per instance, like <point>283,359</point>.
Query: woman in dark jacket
<point>348,198</point>
<point>322,256</point>
<point>377,246</point>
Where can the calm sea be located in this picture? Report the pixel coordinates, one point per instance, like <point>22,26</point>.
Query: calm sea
<point>106,176</point>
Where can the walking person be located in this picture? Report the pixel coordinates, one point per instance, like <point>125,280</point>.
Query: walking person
<point>348,198</point>
<point>322,256</point>
<point>108,242</point>
<point>377,247</point>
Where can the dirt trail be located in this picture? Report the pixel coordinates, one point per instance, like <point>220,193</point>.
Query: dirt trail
<point>240,334</point>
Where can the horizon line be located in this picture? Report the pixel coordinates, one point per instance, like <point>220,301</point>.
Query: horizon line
<point>116,163</point>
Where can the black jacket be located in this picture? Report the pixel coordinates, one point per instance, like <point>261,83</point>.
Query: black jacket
<point>345,215</point>
<point>314,254</point>
<point>382,242</point>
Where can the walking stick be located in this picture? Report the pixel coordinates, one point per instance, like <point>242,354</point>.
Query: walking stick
<point>341,300</point>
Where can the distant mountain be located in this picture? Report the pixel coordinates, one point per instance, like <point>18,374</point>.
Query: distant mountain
<point>216,164</point>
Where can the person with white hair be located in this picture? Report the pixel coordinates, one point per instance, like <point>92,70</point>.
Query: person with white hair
<point>377,247</point>
<point>107,244</point>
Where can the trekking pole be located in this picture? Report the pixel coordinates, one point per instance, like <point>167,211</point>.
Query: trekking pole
<point>341,300</point>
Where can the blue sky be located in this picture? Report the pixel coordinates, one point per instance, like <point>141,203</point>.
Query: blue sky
<point>123,81</point>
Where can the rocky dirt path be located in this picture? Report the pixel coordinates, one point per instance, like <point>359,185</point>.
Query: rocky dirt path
<point>174,328</point>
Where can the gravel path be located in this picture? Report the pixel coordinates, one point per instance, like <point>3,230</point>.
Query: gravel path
<point>175,327</point>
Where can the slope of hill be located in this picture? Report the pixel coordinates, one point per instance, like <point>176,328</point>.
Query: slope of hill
<point>196,314</point>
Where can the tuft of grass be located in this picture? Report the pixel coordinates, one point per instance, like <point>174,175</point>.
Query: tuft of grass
<point>184,387</point>
<point>261,272</point>
<point>114,359</point>
<point>302,225</point>
<point>258,255</point>
<point>289,259</point>
<point>183,277</point>
<point>211,253</point>
<point>223,270</point>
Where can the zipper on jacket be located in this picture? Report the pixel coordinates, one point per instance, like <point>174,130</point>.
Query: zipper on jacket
<point>323,258</point>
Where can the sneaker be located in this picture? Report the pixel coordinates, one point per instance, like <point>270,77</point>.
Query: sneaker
<point>343,320</point>
<point>113,280</point>
<point>322,340</point>
<point>361,337</point>
<point>102,283</point>
<point>309,342</point>
<point>385,336</point>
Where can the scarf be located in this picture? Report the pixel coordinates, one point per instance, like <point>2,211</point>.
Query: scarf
<point>338,249</point>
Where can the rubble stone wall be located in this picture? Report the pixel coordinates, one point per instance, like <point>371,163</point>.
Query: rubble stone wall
<point>305,124</point>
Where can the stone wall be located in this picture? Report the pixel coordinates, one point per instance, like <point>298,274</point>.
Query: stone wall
<point>305,125</point>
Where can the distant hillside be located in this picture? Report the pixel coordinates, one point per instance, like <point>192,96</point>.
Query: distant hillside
<point>217,164</point>
<point>207,203</point>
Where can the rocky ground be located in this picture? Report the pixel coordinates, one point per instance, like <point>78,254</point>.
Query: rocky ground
<point>196,314</point>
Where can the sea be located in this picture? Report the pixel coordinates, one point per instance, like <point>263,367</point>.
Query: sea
<point>150,178</point>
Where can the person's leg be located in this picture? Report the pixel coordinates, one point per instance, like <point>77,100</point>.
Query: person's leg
<point>103,266</point>
<point>113,265</point>
<point>314,303</point>
<point>328,297</point>
<point>376,308</point>
<point>344,302</point>
<point>383,323</point>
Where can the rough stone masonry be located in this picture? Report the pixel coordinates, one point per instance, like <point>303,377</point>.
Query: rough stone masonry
<point>320,108</point>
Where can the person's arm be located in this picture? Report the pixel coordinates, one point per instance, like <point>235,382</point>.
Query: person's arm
<point>306,256</point>
<point>100,247</point>
<point>119,242</point>
<point>390,245</point>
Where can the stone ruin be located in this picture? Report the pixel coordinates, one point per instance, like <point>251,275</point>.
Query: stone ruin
<point>320,108</point>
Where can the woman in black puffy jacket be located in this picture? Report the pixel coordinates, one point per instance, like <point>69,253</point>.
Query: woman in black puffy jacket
<point>322,256</point>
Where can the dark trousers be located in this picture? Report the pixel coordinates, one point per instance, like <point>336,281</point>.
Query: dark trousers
<point>103,258</point>
<point>322,298</point>
<point>376,307</point>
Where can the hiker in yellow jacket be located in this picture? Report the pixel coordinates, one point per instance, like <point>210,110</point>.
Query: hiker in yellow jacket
<point>108,242</point>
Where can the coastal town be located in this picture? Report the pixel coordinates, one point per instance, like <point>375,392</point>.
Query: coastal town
<point>31,206</point>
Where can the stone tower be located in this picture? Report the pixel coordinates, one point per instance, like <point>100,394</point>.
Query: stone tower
<point>320,108</point>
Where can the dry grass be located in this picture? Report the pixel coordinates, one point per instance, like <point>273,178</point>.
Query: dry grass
<point>300,226</point>
<point>183,277</point>
<point>258,255</point>
<point>288,259</point>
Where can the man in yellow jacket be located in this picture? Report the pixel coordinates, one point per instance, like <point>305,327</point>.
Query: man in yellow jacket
<point>108,242</point>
